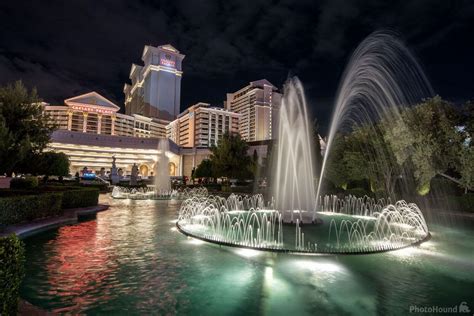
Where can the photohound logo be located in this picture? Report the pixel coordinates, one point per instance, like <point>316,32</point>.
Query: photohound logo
<point>461,308</point>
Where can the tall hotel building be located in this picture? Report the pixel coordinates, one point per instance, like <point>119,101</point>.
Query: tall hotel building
<point>91,130</point>
<point>156,86</point>
<point>258,104</point>
<point>201,125</point>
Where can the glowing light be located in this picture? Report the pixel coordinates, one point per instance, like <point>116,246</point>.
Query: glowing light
<point>195,241</point>
<point>269,275</point>
<point>248,253</point>
<point>405,252</point>
<point>319,266</point>
<point>173,229</point>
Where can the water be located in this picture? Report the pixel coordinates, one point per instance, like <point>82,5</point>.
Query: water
<point>162,175</point>
<point>293,175</point>
<point>347,225</point>
<point>131,260</point>
<point>381,77</point>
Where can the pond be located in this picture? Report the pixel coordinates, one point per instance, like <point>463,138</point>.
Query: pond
<point>132,260</point>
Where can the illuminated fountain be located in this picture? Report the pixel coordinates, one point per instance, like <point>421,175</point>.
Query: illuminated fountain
<point>162,177</point>
<point>350,225</point>
<point>381,76</point>
<point>293,183</point>
<point>151,193</point>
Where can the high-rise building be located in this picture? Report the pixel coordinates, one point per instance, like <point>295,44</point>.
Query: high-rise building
<point>258,103</point>
<point>155,88</point>
<point>201,125</point>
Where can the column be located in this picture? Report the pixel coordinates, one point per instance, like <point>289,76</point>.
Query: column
<point>112,127</point>
<point>84,122</point>
<point>69,120</point>
<point>99,123</point>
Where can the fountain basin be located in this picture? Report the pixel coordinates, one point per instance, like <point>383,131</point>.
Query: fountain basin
<point>368,227</point>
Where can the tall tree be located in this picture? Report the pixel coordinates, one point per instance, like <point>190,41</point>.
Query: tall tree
<point>24,128</point>
<point>426,138</point>
<point>230,159</point>
<point>204,169</point>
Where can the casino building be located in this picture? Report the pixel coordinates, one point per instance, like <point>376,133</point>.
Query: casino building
<point>201,125</point>
<point>156,86</point>
<point>258,103</point>
<point>91,130</point>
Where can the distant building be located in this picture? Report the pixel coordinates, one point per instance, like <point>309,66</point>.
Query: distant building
<point>93,113</point>
<point>155,90</point>
<point>258,103</point>
<point>201,125</point>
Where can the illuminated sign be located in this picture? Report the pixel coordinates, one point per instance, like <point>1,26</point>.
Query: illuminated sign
<point>88,176</point>
<point>91,109</point>
<point>167,61</point>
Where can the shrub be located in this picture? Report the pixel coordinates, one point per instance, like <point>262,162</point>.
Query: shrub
<point>24,183</point>
<point>80,197</point>
<point>17,209</point>
<point>12,259</point>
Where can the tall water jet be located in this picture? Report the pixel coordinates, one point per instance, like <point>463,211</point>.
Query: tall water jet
<point>162,177</point>
<point>381,77</point>
<point>293,181</point>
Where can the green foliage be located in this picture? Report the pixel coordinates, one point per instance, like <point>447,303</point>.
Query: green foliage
<point>425,138</point>
<point>363,156</point>
<point>80,197</point>
<point>12,270</point>
<point>24,128</point>
<point>17,209</point>
<point>409,147</point>
<point>53,164</point>
<point>466,166</point>
<point>229,158</point>
<point>204,170</point>
<point>24,183</point>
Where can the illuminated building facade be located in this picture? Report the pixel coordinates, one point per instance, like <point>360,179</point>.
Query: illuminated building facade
<point>201,125</point>
<point>155,88</point>
<point>93,113</point>
<point>258,103</point>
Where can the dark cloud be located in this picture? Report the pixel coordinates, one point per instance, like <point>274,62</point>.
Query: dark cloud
<point>69,47</point>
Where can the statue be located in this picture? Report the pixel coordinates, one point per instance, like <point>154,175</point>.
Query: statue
<point>114,176</point>
<point>134,175</point>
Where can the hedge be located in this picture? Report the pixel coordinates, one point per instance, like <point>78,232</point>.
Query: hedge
<point>24,183</point>
<point>17,209</point>
<point>80,197</point>
<point>12,260</point>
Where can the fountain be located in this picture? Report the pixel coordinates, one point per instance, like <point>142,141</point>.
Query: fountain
<point>150,193</point>
<point>162,177</point>
<point>293,183</point>
<point>381,76</point>
<point>161,190</point>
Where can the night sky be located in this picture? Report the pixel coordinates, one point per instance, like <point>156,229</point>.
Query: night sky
<point>66,48</point>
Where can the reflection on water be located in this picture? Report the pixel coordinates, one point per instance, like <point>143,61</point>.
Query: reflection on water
<point>131,260</point>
